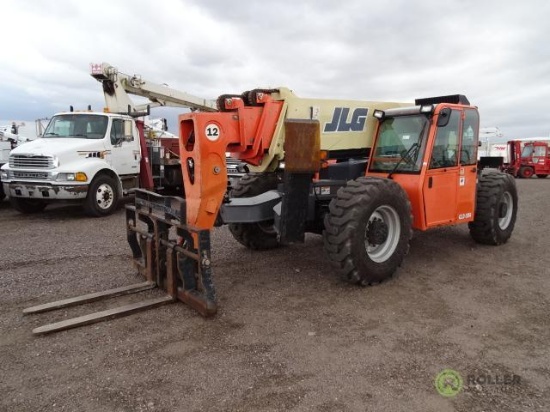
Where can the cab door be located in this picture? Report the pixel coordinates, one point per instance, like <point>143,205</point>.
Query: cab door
<point>450,183</point>
<point>125,153</point>
<point>467,173</point>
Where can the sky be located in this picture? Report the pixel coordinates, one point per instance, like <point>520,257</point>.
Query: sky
<point>497,53</point>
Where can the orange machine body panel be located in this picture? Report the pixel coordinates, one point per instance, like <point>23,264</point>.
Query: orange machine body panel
<point>440,196</point>
<point>246,131</point>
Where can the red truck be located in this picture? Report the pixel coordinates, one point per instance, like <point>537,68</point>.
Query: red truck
<point>528,159</point>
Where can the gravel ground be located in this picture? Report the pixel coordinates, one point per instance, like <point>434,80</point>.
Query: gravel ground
<point>289,335</point>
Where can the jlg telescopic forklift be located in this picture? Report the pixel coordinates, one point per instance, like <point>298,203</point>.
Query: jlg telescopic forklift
<point>362,174</point>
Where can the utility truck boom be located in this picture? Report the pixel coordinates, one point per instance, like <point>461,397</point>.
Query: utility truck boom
<point>117,88</point>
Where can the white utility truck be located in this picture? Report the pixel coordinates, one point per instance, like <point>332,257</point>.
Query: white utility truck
<point>97,157</point>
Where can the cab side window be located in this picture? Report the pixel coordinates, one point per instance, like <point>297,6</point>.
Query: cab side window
<point>468,151</point>
<point>540,151</point>
<point>445,150</point>
<point>117,131</point>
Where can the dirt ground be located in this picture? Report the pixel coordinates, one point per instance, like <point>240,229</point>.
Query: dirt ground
<point>289,335</point>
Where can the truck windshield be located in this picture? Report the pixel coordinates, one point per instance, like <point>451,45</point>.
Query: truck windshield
<point>527,151</point>
<point>84,126</point>
<point>400,145</point>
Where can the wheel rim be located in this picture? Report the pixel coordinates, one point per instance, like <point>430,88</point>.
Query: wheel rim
<point>382,234</point>
<point>267,227</point>
<point>508,204</point>
<point>104,196</point>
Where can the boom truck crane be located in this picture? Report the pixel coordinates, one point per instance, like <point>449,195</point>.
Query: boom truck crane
<point>97,157</point>
<point>363,174</point>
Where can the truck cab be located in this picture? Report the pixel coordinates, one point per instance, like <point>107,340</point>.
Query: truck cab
<point>528,158</point>
<point>89,157</point>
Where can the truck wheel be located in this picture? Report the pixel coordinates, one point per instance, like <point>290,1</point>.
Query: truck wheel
<point>496,209</point>
<point>542,176</point>
<point>368,229</point>
<point>27,206</point>
<point>102,196</point>
<point>526,172</point>
<point>2,194</point>
<point>261,235</point>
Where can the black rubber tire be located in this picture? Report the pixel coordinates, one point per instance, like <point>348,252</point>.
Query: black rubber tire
<point>2,194</point>
<point>27,206</point>
<point>496,209</point>
<point>354,210</point>
<point>541,176</point>
<point>526,172</point>
<point>256,236</point>
<point>102,199</point>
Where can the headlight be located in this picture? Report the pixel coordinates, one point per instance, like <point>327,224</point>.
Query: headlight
<point>427,108</point>
<point>379,114</point>
<point>71,177</point>
<point>65,176</point>
<point>3,175</point>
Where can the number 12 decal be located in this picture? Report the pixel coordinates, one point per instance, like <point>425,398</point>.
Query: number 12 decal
<point>212,132</point>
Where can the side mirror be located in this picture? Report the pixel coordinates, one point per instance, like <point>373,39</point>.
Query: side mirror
<point>128,131</point>
<point>444,117</point>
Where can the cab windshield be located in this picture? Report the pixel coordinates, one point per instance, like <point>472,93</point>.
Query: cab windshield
<point>400,145</point>
<point>527,151</point>
<point>84,126</point>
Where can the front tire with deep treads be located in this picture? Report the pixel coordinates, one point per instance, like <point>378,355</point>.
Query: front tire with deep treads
<point>260,235</point>
<point>102,198</point>
<point>368,229</point>
<point>496,209</point>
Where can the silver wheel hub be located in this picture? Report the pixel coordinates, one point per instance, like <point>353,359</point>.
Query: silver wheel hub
<point>104,196</point>
<point>505,210</point>
<point>382,233</point>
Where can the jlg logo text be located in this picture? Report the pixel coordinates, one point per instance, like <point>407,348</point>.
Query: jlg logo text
<point>339,122</point>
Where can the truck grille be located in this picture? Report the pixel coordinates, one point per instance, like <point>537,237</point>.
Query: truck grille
<point>30,175</point>
<point>22,161</point>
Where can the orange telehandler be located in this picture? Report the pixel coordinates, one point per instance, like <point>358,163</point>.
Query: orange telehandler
<point>362,174</point>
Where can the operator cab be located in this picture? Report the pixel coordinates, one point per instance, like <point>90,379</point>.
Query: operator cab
<point>431,150</point>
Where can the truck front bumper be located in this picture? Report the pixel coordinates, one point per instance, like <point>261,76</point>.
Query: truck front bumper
<point>46,191</point>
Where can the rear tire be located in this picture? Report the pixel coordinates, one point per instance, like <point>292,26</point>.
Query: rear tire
<point>102,199</point>
<point>496,209</point>
<point>526,172</point>
<point>368,229</point>
<point>261,235</point>
<point>540,176</point>
<point>27,206</point>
